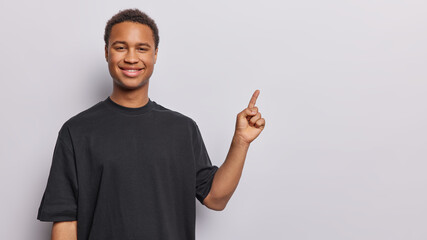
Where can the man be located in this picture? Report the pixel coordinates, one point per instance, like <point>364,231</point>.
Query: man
<point>129,168</point>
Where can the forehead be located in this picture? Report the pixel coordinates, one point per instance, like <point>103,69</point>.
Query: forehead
<point>131,32</point>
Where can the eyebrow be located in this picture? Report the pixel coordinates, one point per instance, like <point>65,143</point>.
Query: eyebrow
<point>138,44</point>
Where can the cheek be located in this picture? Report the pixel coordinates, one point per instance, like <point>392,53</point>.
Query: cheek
<point>115,56</point>
<point>114,59</point>
<point>111,65</point>
<point>148,60</point>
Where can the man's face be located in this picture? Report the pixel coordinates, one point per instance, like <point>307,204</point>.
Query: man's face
<point>130,54</point>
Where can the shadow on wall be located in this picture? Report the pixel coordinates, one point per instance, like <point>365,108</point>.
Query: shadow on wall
<point>101,82</point>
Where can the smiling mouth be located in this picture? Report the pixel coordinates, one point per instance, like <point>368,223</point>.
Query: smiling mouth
<point>131,72</point>
<point>131,69</point>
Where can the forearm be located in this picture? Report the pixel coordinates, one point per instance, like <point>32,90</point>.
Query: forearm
<point>249,125</point>
<point>66,230</point>
<point>228,175</point>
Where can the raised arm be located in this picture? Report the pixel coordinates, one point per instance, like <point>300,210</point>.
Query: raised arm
<point>249,125</point>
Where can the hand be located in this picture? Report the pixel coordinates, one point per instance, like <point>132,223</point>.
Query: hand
<point>249,123</point>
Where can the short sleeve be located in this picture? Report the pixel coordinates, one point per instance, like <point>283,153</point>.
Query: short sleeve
<point>205,171</point>
<point>59,201</point>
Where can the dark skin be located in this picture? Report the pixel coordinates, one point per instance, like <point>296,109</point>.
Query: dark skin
<point>131,45</point>
<point>65,230</point>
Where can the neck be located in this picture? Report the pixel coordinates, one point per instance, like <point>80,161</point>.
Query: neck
<point>130,98</point>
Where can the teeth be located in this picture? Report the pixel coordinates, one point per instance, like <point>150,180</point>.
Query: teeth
<point>131,70</point>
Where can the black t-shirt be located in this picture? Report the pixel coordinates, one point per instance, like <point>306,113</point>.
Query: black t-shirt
<point>128,173</point>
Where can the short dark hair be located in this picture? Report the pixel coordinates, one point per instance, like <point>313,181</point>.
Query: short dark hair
<point>132,15</point>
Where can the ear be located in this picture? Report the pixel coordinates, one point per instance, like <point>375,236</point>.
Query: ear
<point>155,55</point>
<point>106,53</point>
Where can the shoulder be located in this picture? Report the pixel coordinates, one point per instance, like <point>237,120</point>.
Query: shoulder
<point>89,115</point>
<point>173,116</point>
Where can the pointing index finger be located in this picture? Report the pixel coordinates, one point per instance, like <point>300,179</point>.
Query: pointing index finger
<point>253,99</point>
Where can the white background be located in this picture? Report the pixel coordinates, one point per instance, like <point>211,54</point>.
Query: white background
<point>342,86</point>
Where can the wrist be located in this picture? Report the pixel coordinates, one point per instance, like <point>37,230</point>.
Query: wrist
<point>240,141</point>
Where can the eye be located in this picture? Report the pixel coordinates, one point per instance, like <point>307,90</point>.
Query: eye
<point>143,49</point>
<point>119,48</point>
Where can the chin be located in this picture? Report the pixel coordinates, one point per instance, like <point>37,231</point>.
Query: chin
<point>131,83</point>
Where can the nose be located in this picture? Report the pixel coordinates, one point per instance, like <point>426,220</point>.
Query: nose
<point>131,57</point>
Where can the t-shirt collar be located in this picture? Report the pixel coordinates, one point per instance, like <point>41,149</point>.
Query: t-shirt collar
<point>128,110</point>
